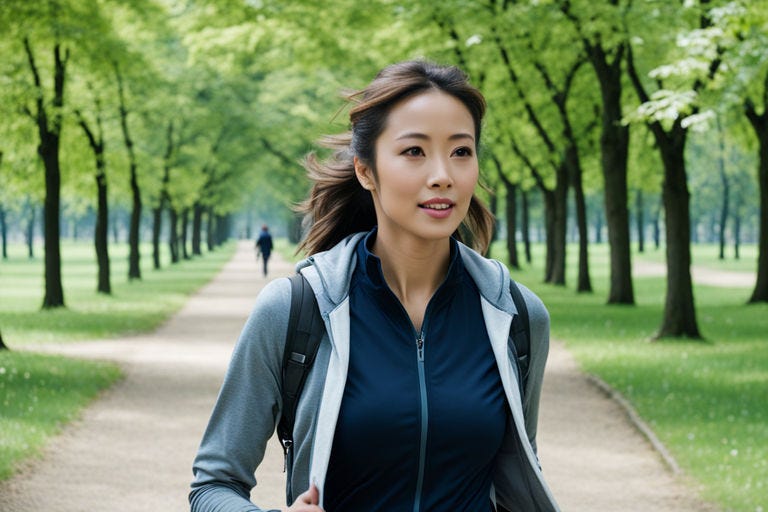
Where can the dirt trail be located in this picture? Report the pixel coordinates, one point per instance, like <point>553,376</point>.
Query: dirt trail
<point>699,274</point>
<point>132,449</point>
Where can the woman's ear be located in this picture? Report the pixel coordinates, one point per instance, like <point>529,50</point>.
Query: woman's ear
<point>364,174</point>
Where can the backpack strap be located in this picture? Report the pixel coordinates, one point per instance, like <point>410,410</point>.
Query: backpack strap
<point>302,340</point>
<point>520,335</point>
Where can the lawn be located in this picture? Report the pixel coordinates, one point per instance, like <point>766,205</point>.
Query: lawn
<point>133,307</point>
<point>706,400</point>
<point>40,393</point>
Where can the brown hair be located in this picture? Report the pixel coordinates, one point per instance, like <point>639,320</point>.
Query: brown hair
<point>338,205</point>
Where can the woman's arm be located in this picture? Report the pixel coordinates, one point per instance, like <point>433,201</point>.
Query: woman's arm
<point>246,410</point>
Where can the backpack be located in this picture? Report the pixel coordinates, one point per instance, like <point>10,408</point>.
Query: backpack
<point>306,328</point>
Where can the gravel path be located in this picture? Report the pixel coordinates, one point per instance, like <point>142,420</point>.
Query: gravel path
<point>132,449</point>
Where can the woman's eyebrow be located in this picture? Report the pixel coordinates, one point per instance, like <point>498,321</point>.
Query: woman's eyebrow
<point>424,136</point>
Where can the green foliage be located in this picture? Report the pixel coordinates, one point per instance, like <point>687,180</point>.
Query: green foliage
<point>38,395</point>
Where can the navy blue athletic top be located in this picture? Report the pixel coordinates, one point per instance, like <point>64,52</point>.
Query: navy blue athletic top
<point>423,413</point>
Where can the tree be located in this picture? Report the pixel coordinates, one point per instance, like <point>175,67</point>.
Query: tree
<point>759,122</point>
<point>605,47</point>
<point>669,114</point>
<point>49,124</point>
<point>134,256</point>
<point>101,238</point>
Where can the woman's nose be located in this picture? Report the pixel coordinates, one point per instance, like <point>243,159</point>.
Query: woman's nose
<point>440,175</point>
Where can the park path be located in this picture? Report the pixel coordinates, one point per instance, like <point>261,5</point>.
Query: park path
<point>699,274</point>
<point>132,449</point>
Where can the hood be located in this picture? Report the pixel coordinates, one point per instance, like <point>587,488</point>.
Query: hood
<point>330,272</point>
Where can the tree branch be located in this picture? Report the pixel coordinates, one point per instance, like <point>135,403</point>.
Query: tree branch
<point>521,94</point>
<point>87,129</point>
<point>40,117</point>
<point>634,77</point>
<point>279,154</point>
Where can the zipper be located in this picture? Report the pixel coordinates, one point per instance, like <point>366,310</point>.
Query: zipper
<point>424,421</point>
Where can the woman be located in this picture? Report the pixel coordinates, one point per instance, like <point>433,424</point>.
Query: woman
<point>413,402</point>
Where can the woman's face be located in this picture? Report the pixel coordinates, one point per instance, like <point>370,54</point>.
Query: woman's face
<point>427,168</point>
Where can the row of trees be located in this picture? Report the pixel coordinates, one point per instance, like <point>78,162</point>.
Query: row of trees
<point>102,93</point>
<point>210,104</point>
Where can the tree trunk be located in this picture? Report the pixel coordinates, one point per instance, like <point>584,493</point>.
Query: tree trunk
<point>559,227</point>
<point>760,125</point>
<point>101,236</point>
<point>157,220</point>
<point>183,236</point>
<point>614,152</point>
<point>526,228</point>
<point>223,225</point>
<point>760,293</point>
<point>640,220</point>
<point>598,227</point>
<point>101,231</point>
<point>30,231</point>
<point>679,311</point>
<point>3,346</point>
<point>4,233</point>
<point>549,233</point>
<point>48,149</point>
<point>134,231</point>
<point>210,230</point>
<point>736,235</point>
<point>614,148</point>
<point>657,225</point>
<point>724,205</point>
<point>511,213</point>
<point>197,227</point>
<point>54,292</point>
<point>173,234</point>
<point>134,255</point>
<point>115,227</point>
<point>584,283</point>
<point>493,207</point>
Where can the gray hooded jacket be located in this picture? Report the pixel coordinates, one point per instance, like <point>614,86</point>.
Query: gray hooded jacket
<point>249,403</point>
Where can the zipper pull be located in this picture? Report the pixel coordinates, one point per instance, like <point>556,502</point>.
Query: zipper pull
<point>420,346</point>
<point>287,445</point>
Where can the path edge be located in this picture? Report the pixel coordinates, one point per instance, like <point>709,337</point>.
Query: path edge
<point>637,422</point>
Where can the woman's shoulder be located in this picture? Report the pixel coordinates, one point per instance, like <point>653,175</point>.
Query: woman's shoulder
<point>268,321</point>
<point>537,311</point>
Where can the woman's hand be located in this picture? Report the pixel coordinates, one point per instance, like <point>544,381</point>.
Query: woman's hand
<point>307,502</point>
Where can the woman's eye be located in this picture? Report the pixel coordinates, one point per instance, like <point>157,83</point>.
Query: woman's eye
<point>414,151</point>
<point>463,151</point>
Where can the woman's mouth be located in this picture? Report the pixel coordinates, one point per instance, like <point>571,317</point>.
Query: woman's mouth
<point>437,208</point>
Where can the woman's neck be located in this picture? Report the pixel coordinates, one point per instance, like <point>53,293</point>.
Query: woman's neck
<point>413,270</point>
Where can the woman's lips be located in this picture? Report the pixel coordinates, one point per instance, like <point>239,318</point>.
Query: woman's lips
<point>438,208</point>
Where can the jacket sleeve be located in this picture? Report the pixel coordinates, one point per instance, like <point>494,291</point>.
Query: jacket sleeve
<point>518,484</point>
<point>539,351</point>
<point>246,410</point>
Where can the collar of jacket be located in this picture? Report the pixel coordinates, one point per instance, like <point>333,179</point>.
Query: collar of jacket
<point>330,272</point>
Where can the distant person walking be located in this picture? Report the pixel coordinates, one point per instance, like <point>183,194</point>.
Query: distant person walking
<point>264,246</point>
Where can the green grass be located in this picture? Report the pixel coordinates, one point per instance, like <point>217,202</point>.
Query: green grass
<point>706,400</point>
<point>133,307</point>
<point>40,393</point>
